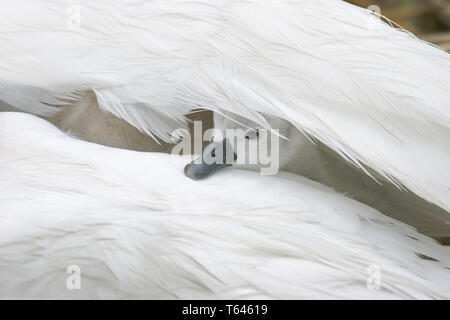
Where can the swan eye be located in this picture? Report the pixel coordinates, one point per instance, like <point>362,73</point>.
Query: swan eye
<point>252,134</point>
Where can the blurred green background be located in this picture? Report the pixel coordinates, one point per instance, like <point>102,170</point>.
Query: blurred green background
<point>428,19</point>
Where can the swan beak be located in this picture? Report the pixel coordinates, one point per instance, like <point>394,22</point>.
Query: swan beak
<point>216,155</point>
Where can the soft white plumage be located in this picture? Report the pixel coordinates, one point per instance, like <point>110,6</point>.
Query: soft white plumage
<point>313,160</point>
<point>137,227</point>
<point>131,222</point>
<point>375,94</point>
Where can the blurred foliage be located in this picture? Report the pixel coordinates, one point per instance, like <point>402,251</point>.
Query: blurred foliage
<point>418,16</point>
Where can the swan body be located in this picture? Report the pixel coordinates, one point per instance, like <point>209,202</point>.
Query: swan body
<point>133,225</point>
<point>374,94</point>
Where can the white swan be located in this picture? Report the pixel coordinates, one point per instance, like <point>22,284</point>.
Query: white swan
<point>376,95</point>
<point>134,227</point>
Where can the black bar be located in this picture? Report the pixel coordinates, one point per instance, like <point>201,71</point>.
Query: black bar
<point>223,309</point>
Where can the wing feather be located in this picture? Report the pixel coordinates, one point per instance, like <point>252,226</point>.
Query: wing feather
<point>375,94</point>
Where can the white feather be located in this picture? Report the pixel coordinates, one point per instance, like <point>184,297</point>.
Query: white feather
<point>138,228</point>
<point>377,95</point>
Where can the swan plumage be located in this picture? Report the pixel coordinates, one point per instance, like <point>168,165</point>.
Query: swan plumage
<point>132,225</point>
<point>375,94</point>
<point>312,159</point>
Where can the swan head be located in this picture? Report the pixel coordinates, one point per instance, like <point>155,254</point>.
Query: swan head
<point>217,155</point>
<point>243,144</point>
